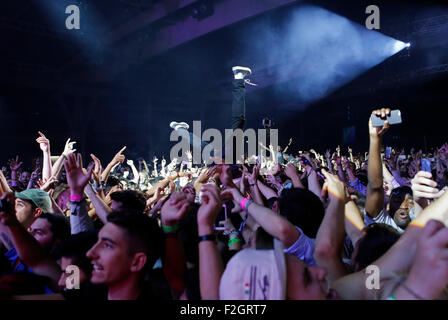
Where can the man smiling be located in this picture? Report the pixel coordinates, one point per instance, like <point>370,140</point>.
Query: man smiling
<point>128,246</point>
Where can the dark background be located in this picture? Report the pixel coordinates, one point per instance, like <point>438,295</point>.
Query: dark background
<point>136,65</point>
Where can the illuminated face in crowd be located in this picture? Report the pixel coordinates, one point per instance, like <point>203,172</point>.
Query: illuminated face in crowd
<point>401,215</point>
<point>41,231</point>
<point>24,177</point>
<point>111,259</point>
<point>26,213</point>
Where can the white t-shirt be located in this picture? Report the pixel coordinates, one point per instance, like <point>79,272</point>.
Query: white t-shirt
<point>382,217</point>
<point>303,249</point>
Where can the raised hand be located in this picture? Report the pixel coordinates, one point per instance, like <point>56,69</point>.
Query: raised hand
<point>328,154</point>
<point>174,209</point>
<point>68,147</point>
<point>234,195</point>
<point>126,174</point>
<point>119,157</point>
<point>291,171</point>
<point>15,164</point>
<point>155,159</point>
<point>43,142</point>
<point>47,185</point>
<point>97,169</point>
<point>333,187</point>
<point>424,188</point>
<point>34,175</point>
<point>76,178</point>
<point>253,177</point>
<point>273,181</point>
<point>377,132</point>
<point>130,162</point>
<point>211,205</point>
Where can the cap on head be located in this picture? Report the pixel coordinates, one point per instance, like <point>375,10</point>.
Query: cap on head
<point>40,198</point>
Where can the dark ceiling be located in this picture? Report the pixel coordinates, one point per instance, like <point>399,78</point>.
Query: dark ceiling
<point>136,65</point>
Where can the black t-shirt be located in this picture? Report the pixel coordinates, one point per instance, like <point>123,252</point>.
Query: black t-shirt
<point>156,287</point>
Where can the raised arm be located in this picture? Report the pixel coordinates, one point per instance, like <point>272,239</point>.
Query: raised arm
<point>253,185</point>
<point>349,171</point>
<point>44,145</point>
<point>118,158</point>
<point>329,164</point>
<point>4,183</point>
<point>338,161</point>
<point>265,190</point>
<point>77,179</point>
<point>134,171</point>
<point>375,190</point>
<point>271,222</point>
<point>14,165</point>
<point>33,179</point>
<point>354,222</point>
<point>313,182</point>
<point>331,233</point>
<point>210,263</point>
<point>101,208</point>
<point>57,166</point>
<point>174,264</point>
<point>291,172</point>
<point>289,144</point>
<point>154,172</point>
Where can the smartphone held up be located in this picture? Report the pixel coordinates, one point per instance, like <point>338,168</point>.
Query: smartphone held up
<point>394,118</point>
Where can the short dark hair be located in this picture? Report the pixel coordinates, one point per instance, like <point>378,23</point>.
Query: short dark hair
<point>377,239</point>
<point>75,247</point>
<point>60,225</point>
<point>142,233</point>
<point>302,208</point>
<point>131,200</point>
<point>397,197</point>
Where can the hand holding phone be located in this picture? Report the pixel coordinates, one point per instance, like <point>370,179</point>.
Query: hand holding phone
<point>394,118</point>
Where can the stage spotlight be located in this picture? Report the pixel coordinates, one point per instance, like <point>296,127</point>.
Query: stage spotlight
<point>398,46</point>
<point>407,45</point>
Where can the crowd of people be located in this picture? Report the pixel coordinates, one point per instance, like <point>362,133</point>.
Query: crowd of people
<point>281,225</point>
